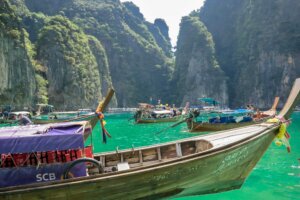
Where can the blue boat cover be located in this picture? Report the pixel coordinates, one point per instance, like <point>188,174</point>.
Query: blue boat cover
<point>41,138</point>
<point>26,139</point>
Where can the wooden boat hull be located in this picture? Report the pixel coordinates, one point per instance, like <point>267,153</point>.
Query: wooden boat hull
<point>48,121</point>
<point>211,171</point>
<point>203,127</point>
<point>7,121</point>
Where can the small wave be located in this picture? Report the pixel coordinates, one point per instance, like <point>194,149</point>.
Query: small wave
<point>295,167</point>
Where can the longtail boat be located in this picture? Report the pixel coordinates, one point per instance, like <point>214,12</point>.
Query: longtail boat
<point>84,116</point>
<point>205,164</point>
<point>149,114</point>
<point>12,117</point>
<point>229,123</point>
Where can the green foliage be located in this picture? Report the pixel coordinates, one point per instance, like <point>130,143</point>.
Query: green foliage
<point>42,91</point>
<point>9,22</point>
<point>69,58</point>
<point>132,48</point>
<point>194,35</point>
<point>252,38</point>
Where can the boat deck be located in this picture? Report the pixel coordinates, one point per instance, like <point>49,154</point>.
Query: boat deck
<point>145,156</point>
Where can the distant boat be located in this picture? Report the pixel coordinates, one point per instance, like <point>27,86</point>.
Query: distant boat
<point>12,117</point>
<point>297,109</point>
<point>56,117</point>
<point>148,113</point>
<point>199,165</point>
<point>232,119</point>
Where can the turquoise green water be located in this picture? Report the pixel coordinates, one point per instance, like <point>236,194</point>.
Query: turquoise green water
<point>276,176</point>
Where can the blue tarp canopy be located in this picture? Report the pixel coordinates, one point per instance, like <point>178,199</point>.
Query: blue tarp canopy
<point>238,112</point>
<point>40,138</point>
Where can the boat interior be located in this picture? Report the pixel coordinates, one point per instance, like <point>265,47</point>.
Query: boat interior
<point>120,160</point>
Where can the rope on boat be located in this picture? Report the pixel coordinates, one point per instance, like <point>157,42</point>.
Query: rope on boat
<point>172,126</point>
<point>104,131</point>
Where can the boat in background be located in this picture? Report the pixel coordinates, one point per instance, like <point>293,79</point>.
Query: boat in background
<point>44,109</point>
<point>204,164</point>
<point>148,113</point>
<point>297,109</point>
<point>210,104</point>
<point>12,117</point>
<point>56,117</point>
<point>229,119</point>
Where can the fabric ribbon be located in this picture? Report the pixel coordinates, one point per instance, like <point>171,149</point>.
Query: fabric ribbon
<point>283,136</point>
<point>104,131</point>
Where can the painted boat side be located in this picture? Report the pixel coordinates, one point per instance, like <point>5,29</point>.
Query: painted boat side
<point>198,127</point>
<point>209,172</point>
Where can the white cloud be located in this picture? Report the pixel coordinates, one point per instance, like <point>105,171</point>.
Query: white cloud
<point>170,10</point>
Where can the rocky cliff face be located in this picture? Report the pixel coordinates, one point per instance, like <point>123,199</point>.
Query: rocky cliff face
<point>257,45</point>
<point>244,52</point>
<point>140,65</point>
<point>197,73</point>
<point>17,82</point>
<point>72,70</point>
<point>102,64</point>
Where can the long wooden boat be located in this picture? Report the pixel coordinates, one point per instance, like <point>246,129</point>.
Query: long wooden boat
<point>54,119</point>
<point>148,114</point>
<point>159,120</point>
<point>93,117</point>
<point>198,126</point>
<point>13,117</point>
<point>199,165</point>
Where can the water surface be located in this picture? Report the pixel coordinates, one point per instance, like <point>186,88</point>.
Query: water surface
<point>276,176</point>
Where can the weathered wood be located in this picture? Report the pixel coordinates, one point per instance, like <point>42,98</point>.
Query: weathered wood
<point>292,101</point>
<point>212,170</point>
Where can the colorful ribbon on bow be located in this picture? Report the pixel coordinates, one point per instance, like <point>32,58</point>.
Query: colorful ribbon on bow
<point>104,131</point>
<point>283,136</point>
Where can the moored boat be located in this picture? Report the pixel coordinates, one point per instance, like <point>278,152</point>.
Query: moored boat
<point>198,165</point>
<point>56,117</point>
<point>150,114</point>
<point>297,109</point>
<point>231,119</point>
<point>12,117</point>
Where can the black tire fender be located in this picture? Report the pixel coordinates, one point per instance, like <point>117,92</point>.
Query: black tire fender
<point>81,160</point>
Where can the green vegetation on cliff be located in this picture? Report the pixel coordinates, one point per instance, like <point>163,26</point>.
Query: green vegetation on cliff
<point>69,52</point>
<point>71,66</point>
<point>17,82</point>
<point>135,49</point>
<point>257,45</point>
<point>197,72</point>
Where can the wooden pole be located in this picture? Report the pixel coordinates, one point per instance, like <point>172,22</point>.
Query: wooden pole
<point>292,101</point>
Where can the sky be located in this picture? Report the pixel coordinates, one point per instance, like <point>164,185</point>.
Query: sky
<point>170,10</point>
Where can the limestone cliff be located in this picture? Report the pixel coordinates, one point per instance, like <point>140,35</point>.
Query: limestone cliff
<point>197,73</point>
<point>140,64</point>
<point>72,71</point>
<point>17,78</point>
<point>257,45</point>
<point>102,64</point>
